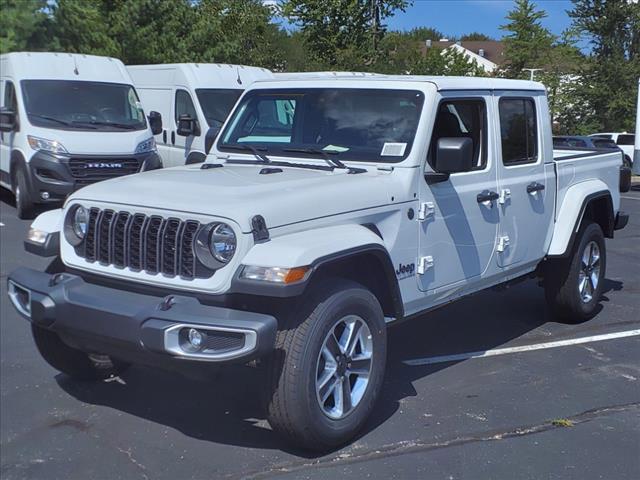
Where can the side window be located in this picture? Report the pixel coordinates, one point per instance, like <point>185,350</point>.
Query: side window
<point>184,104</point>
<point>461,118</point>
<point>519,131</point>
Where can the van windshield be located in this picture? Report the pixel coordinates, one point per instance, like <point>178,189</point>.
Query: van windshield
<point>374,125</point>
<point>82,105</point>
<point>216,103</point>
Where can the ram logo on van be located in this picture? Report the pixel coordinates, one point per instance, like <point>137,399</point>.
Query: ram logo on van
<point>101,165</point>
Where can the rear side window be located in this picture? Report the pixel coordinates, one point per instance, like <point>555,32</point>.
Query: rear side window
<point>464,118</point>
<point>184,104</point>
<point>626,139</point>
<point>604,143</point>
<point>518,130</point>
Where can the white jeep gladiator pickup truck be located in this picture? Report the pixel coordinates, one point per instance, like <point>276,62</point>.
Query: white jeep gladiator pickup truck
<point>327,210</point>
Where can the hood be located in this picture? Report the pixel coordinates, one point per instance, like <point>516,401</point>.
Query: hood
<point>83,142</point>
<point>238,192</point>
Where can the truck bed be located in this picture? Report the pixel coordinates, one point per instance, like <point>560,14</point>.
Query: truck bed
<point>579,165</point>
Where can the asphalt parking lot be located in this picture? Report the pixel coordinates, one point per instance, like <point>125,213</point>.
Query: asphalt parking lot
<point>571,411</point>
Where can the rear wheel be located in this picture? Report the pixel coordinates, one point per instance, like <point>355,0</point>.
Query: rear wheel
<point>327,371</point>
<point>75,363</point>
<point>573,286</point>
<point>24,205</point>
<point>627,161</point>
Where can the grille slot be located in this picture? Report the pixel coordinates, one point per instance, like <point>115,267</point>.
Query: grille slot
<point>142,243</point>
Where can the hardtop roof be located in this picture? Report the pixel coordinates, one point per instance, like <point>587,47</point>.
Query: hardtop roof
<point>441,83</point>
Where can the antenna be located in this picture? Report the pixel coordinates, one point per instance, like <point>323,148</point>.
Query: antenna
<point>239,80</point>
<point>75,65</point>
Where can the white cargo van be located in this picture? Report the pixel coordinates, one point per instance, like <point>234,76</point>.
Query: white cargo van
<point>194,99</point>
<point>68,120</point>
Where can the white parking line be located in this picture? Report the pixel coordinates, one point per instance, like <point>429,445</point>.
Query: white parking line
<point>525,348</point>
<point>630,198</point>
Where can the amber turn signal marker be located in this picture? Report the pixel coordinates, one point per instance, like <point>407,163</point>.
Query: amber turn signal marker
<point>295,274</point>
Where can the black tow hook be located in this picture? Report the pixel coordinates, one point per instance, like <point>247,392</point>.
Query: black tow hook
<point>56,279</point>
<point>167,302</point>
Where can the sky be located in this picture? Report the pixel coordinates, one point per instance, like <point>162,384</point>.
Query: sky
<point>457,17</point>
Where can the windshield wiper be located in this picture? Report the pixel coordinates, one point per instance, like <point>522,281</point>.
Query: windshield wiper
<point>125,126</point>
<point>333,162</point>
<point>51,119</point>
<point>250,148</point>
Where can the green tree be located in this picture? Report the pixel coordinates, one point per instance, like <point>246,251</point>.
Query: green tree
<point>80,27</point>
<point>475,37</point>
<point>527,43</point>
<point>342,33</point>
<point>23,25</point>
<point>609,77</point>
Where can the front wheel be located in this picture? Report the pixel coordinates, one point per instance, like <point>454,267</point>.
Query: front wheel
<point>327,370</point>
<point>573,286</point>
<point>24,205</point>
<point>75,363</point>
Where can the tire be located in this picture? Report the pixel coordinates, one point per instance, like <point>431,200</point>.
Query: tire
<point>626,162</point>
<point>294,409</point>
<point>73,362</point>
<point>24,205</point>
<point>571,300</point>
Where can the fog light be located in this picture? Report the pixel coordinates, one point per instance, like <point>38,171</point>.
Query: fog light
<point>45,195</point>
<point>195,338</point>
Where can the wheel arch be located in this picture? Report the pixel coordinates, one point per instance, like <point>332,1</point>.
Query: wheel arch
<point>352,252</point>
<point>595,206</point>
<point>16,162</point>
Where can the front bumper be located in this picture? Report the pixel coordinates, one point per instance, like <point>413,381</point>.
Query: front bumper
<point>137,327</point>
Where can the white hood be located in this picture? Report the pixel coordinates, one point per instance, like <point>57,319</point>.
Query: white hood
<point>238,192</point>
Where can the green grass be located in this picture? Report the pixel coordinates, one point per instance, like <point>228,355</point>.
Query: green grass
<point>562,422</point>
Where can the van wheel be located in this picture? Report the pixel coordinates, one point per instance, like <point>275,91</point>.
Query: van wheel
<point>327,371</point>
<point>573,286</point>
<point>75,363</point>
<point>627,161</point>
<point>24,205</point>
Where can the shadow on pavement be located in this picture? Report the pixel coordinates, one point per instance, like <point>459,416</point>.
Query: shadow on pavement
<point>227,409</point>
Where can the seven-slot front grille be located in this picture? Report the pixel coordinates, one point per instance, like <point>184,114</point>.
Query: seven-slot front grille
<point>142,243</point>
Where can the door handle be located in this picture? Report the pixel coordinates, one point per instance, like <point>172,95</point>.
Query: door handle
<point>164,136</point>
<point>534,187</point>
<point>173,138</point>
<point>487,196</point>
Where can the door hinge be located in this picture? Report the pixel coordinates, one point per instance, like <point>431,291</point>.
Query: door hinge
<point>505,194</point>
<point>424,264</point>
<point>426,210</point>
<point>503,243</point>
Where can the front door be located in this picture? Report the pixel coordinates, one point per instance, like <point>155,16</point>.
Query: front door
<point>182,146</point>
<point>525,182</point>
<point>9,100</point>
<point>459,229</point>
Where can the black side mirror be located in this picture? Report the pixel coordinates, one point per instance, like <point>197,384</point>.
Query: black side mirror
<point>155,122</point>
<point>209,138</point>
<point>453,155</point>
<point>8,119</point>
<point>187,126</point>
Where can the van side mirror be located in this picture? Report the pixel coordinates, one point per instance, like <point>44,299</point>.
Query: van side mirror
<point>7,120</point>
<point>187,126</point>
<point>209,138</point>
<point>155,122</point>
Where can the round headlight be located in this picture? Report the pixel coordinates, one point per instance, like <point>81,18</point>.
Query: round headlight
<point>80,222</point>
<point>222,242</point>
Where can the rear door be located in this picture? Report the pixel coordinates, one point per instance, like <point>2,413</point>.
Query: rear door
<point>526,183</point>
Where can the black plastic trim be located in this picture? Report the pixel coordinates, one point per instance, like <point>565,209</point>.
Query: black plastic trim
<point>622,218</point>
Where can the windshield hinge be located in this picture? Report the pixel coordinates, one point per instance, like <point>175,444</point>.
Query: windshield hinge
<point>426,210</point>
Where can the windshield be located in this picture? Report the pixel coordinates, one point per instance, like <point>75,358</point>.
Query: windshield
<point>217,103</point>
<point>82,105</point>
<point>376,125</point>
